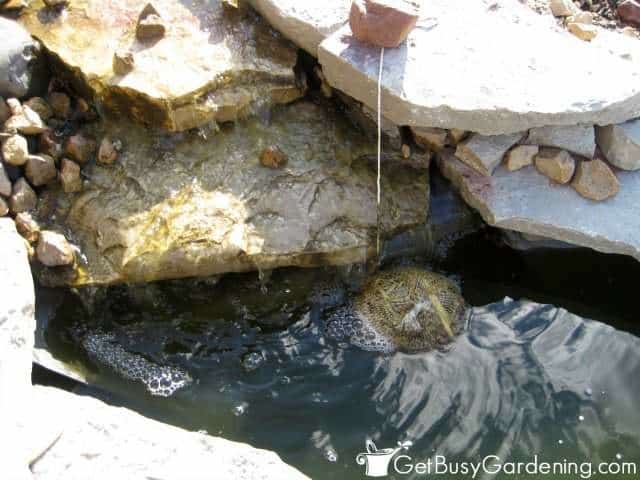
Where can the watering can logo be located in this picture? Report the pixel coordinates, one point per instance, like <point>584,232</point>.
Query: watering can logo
<point>377,461</point>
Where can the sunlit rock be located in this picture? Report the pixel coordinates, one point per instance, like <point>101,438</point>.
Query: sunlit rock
<point>211,64</point>
<point>180,205</point>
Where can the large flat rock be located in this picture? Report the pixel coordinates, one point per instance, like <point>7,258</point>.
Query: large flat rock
<point>305,23</point>
<point>178,206</point>
<point>488,66</point>
<point>214,63</point>
<point>526,201</point>
<point>104,442</point>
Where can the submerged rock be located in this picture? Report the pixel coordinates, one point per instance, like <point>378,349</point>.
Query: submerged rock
<point>177,206</point>
<point>211,63</point>
<point>407,309</point>
<point>160,380</point>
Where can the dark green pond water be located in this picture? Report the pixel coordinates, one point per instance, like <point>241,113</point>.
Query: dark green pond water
<point>524,379</point>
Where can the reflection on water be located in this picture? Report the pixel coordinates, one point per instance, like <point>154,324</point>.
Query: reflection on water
<point>523,379</point>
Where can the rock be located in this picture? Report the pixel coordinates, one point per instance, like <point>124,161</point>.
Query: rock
<point>430,138</point>
<point>12,6</point>
<point>563,8</point>
<point>620,144</point>
<point>48,145</point>
<point>123,63</point>
<point>28,122</point>
<point>307,24</point>
<point>23,198</point>
<point>520,157</point>
<point>629,12</point>
<point>17,320</point>
<point>54,250</point>
<point>70,176</point>
<point>474,81</point>
<point>4,111</point>
<point>41,107</point>
<point>97,437</point>
<point>15,107</point>
<point>15,150</point>
<point>182,206</point>
<point>56,3</point>
<point>40,170</point>
<point>367,120</point>
<point>383,23</point>
<point>484,153</point>
<point>60,104</point>
<point>273,157</point>
<point>523,201</point>
<point>21,65</point>
<point>150,26</point>
<point>4,208</point>
<point>107,154</point>
<point>595,180</point>
<point>5,182</point>
<point>583,31</point>
<point>27,227</point>
<point>581,17</point>
<point>556,164</point>
<point>234,62</point>
<point>79,148</point>
<point>456,136</point>
<point>390,131</point>
<point>578,139</point>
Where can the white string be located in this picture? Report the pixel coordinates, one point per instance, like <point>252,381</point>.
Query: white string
<point>379,149</point>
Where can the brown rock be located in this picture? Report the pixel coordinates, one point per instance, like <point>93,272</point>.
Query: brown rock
<point>456,136</point>
<point>27,227</point>
<point>556,164</point>
<point>629,12</point>
<point>15,150</point>
<point>40,170</point>
<point>583,31</point>
<point>5,113</point>
<point>70,176</point>
<point>60,104</point>
<point>150,25</point>
<point>28,122</point>
<point>5,182</point>
<point>56,3</point>
<point>41,107</point>
<point>107,154</point>
<point>79,148</point>
<point>123,63</point>
<point>54,250</point>
<point>48,145</point>
<point>273,157</point>
<point>4,208</point>
<point>430,138</point>
<point>385,23</point>
<point>23,198</point>
<point>520,157</point>
<point>595,180</point>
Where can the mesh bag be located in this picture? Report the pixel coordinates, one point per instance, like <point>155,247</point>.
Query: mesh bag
<point>417,309</point>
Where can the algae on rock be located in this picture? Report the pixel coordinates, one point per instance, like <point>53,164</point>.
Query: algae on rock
<point>213,63</point>
<point>179,205</point>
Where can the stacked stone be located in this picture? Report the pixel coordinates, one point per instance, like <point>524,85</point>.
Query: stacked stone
<point>582,156</point>
<point>33,156</point>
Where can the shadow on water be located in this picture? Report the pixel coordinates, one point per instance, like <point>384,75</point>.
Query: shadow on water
<point>524,378</point>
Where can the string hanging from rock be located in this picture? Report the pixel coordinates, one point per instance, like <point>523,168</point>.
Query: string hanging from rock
<point>379,168</point>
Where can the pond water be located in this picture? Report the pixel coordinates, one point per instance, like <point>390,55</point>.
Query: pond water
<point>524,379</point>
